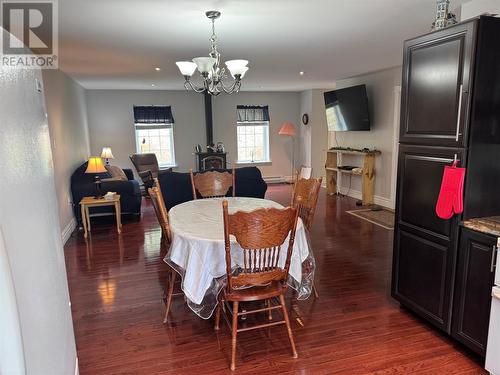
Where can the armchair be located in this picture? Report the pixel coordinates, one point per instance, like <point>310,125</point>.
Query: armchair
<point>147,168</point>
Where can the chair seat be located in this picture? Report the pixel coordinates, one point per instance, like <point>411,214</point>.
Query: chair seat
<point>256,293</point>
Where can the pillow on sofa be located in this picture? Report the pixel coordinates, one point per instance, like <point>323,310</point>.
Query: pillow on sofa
<point>111,179</point>
<point>116,173</point>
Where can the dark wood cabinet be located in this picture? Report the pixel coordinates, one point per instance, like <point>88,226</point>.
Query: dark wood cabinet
<point>472,301</point>
<point>420,171</point>
<point>424,253</point>
<point>449,110</point>
<point>436,80</point>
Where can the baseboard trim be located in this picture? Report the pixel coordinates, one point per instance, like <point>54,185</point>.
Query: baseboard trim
<point>377,199</point>
<point>66,233</point>
<point>274,179</point>
<point>278,179</point>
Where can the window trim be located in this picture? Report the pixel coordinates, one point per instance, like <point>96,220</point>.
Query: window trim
<point>267,148</point>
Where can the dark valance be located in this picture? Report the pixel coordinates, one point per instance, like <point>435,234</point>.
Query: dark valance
<point>252,113</point>
<point>153,115</point>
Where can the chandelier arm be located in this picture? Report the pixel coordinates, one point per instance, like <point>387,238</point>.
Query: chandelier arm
<point>234,87</point>
<point>188,84</point>
<point>230,89</point>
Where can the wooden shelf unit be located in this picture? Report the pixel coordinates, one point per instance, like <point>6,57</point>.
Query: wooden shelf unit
<point>333,173</point>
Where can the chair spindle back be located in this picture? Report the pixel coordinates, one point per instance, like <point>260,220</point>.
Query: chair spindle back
<point>261,234</point>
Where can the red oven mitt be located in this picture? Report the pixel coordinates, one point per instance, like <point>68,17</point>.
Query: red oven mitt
<point>450,200</point>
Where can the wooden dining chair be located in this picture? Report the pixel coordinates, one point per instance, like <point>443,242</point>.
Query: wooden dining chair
<point>261,235</point>
<point>306,191</point>
<point>212,184</point>
<point>162,215</point>
<point>160,209</point>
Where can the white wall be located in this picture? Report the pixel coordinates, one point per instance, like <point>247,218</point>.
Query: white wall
<point>30,225</point>
<point>11,343</point>
<point>67,111</point>
<point>110,119</point>
<point>314,135</point>
<point>111,122</point>
<point>319,135</point>
<point>475,8</point>
<point>380,89</point>
<point>283,106</point>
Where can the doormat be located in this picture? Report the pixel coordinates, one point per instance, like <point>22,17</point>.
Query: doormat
<point>382,217</point>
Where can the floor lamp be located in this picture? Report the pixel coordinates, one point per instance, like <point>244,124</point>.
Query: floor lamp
<point>288,129</point>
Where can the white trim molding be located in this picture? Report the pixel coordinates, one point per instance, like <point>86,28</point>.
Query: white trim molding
<point>77,368</point>
<point>66,232</point>
<point>395,147</point>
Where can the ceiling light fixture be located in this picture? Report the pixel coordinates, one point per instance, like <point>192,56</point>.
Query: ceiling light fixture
<point>209,68</point>
<point>301,73</point>
<point>157,69</point>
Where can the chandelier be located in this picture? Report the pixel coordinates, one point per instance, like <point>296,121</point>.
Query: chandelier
<point>212,74</point>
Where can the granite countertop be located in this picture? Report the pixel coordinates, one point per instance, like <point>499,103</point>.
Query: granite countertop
<point>488,225</point>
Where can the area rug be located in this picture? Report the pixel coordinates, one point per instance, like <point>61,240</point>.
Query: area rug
<point>381,217</point>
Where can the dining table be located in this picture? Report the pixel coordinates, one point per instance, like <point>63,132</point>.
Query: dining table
<point>197,250</point>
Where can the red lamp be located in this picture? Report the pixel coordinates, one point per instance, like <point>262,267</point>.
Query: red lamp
<point>288,129</point>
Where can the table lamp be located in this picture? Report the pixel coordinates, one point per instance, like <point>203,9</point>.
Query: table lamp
<point>288,129</point>
<point>96,166</point>
<point>107,154</point>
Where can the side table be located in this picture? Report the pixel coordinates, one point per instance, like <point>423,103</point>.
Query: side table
<point>88,202</point>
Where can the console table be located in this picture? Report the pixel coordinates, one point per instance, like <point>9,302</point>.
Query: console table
<point>334,173</point>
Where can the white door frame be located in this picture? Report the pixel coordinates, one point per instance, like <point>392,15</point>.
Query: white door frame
<point>395,146</point>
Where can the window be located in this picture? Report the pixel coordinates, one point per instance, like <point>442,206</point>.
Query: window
<point>253,141</point>
<point>253,134</point>
<point>154,133</point>
<point>157,141</point>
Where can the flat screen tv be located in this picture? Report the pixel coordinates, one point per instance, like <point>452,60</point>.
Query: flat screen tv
<point>347,109</point>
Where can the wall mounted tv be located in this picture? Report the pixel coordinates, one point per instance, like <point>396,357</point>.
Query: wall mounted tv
<point>347,109</point>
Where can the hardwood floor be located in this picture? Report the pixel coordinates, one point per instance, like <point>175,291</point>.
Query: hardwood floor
<point>116,287</point>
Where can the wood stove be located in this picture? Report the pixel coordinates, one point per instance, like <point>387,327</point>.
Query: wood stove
<point>210,160</point>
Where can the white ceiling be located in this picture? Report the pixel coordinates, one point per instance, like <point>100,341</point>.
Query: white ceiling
<point>115,44</point>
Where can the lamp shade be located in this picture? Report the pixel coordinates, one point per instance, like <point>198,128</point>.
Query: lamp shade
<point>237,67</point>
<point>287,129</point>
<point>106,153</point>
<point>95,165</point>
<point>186,68</point>
<point>204,64</point>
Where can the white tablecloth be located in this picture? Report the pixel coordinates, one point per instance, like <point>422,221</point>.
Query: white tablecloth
<point>197,250</point>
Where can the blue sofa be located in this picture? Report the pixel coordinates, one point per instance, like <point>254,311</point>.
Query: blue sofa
<point>176,187</point>
<point>82,185</point>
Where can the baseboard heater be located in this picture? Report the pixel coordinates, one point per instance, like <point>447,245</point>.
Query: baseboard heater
<point>274,179</point>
